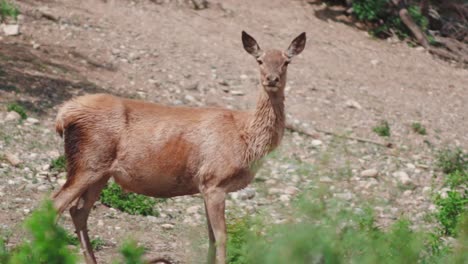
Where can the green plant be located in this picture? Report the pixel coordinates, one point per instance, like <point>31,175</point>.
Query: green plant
<point>48,243</point>
<point>452,160</point>
<point>456,179</point>
<point>59,164</point>
<point>383,129</point>
<point>131,253</point>
<point>97,243</point>
<point>238,234</point>
<point>18,109</point>
<point>418,128</point>
<point>450,210</point>
<point>131,203</point>
<point>369,10</point>
<point>8,10</point>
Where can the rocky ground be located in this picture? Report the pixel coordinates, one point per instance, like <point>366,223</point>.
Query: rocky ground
<point>344,83</point>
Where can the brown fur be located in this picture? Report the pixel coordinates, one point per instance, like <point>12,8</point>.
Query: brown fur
<point>166,151</point>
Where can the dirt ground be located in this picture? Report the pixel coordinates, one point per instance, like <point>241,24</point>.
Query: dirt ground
<point>344,82</point>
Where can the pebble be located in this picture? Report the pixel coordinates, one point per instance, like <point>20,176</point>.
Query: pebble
<point>32,120</point>
<point>167,226</point>
<point>61,181</point>
<point>284,198</point>
<point>402,177</point>
<point>12,159</point>
<point>11,30</point>
<point>353,104</point>
<point>325,179</point>
<point>369,173</point>
<point>274,191</point>
<point>246,194</point>
<point>316,142</point>
<point>193,209</point>
<point>345,196</point>
<point>43,188</point>
<point>291,190</point>
<point>12,116</point>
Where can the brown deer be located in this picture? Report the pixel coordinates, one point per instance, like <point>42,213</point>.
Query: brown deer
<point>166,151</point>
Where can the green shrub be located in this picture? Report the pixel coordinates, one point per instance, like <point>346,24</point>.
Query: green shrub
<point>456,179</point>
<point>8,10</point>
<point>238,235</point>
<point>370,10</point>
<point>131,203</point>
<point>385,19</point>
<point>418,128</point>
<point>131,253</point>
<point>383,129</point>
<point>18,109</point>
<point>452,160</point>
<point>450,210</point>
<point>59,164</point>
<point>48,241</point>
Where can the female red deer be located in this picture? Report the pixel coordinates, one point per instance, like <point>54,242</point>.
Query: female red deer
<point>165,151</point>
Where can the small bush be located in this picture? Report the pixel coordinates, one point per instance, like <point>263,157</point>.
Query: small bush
<point>418,128</point>
<point>59,164</point>
<point>8,10</point>
<point>238,236</point>
<point>131,253</point>
<point>48,243</point>
<point>131,203</point>
<point>18,109</point>
<point>369,10</point>
<point>383,129</point>
<point>450,210</point>
<point>452,160</point>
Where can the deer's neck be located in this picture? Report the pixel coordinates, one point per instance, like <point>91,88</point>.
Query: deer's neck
<point>266,126</point>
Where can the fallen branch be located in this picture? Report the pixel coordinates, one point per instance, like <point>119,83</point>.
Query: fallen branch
<point>364,140</point>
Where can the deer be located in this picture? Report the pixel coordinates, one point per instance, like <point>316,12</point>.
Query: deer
<point>167,151</point>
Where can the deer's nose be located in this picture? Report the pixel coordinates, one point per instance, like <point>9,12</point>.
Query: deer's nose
<point>272,78</point>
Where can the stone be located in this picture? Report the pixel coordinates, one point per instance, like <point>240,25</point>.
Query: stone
<point>353,104</point>
<point>11,30</point>
<point>167,226</point>
<point>345,196</point>
<point>291,190</point>
<point>32,120</point>
<point>43,188</point>
<point>274,191</point>
<point>369,173</point>
<point>192,86</point>
<point>193,209</point>
<point>12,116</point>
<point>246,194</point>
<point>284,198</point>
<point>316,142</point>
<point>237,92</point>
<point>402,177</point>
<point>61,181</point>
<point>12,159</point>
<point>325,179</point>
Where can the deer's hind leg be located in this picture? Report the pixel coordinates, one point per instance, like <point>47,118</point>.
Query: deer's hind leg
<point>80,211</point>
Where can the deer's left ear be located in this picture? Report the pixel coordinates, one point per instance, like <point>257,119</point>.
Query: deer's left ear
<point>296,46</point>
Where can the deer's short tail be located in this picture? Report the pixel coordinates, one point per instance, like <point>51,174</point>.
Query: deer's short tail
<point>69,113</point>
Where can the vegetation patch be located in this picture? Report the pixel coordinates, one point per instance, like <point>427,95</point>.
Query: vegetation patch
<point>18,109</point>
<point>383,129</point>
<point>418,128</point>
<point>59,164</point>
<point>7,9</point>
<point>131,203</point>
<point>49,243</point>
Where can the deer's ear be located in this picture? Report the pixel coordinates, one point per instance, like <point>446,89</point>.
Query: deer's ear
<point>296,46</point>
<point>250,45</point>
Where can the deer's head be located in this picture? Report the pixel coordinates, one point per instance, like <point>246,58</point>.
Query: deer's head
<point>273,64</point>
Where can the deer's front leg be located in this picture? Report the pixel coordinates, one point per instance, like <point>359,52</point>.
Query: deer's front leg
<point>215,200</point>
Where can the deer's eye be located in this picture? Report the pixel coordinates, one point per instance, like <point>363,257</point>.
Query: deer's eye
<point>286,63</point>
<point>260,62</point>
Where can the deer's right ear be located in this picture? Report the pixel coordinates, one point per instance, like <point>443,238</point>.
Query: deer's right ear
<point>250,45</point>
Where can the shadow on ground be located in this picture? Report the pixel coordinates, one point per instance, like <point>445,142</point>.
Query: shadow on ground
<point>36,80</point>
